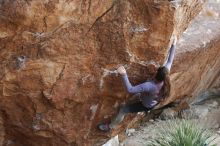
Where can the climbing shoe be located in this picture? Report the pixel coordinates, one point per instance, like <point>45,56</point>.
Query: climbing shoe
<point>104,127</point>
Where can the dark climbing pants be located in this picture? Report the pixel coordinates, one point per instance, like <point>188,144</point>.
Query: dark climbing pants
<point>125,109</point>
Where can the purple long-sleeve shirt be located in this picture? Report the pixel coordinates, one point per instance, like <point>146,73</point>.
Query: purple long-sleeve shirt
<point>149,90</point>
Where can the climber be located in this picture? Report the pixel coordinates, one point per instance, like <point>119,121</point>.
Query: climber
<point>151,92</point>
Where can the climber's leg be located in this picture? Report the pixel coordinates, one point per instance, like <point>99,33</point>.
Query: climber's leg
<point>128,108</point>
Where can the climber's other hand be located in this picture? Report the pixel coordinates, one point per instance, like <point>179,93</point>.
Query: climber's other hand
<point>121,70</point>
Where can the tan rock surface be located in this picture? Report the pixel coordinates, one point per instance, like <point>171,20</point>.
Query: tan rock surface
<point>58,61</point>
<point>197,64</point>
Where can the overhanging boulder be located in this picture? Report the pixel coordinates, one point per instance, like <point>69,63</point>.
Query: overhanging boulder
<point>58,61</point>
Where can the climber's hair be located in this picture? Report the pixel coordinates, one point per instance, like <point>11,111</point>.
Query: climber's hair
<point>162,72</point>
<point>163,75</point>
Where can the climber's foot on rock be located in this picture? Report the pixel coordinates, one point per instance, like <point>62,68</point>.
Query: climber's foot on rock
<point>104,127</point>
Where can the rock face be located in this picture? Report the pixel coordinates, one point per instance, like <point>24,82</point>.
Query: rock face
<point>197,64</point>
<point>58,61</point>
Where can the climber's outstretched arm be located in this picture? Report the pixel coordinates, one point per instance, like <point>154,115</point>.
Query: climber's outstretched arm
<point>171,55</point>
<point>144,87</point>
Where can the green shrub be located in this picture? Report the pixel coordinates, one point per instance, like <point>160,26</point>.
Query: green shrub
<point>181,133</point>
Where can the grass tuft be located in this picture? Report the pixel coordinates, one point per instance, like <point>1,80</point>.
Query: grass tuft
<point>179,132</point>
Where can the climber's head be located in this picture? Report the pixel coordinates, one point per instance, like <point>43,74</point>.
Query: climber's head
<point>162,73</point>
